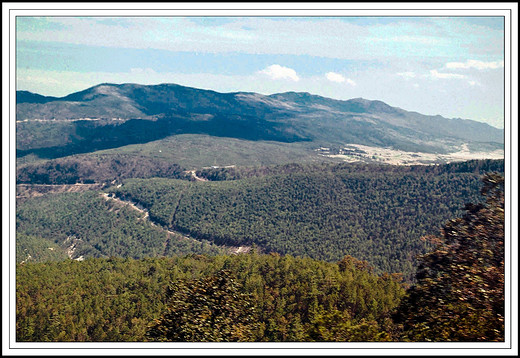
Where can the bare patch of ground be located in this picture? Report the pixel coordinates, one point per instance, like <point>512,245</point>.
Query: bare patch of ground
<point>239,249</point>
<point>363,153</point>
<point>194,175</point>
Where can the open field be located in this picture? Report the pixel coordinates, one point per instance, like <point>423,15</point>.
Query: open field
<point>194,151</point>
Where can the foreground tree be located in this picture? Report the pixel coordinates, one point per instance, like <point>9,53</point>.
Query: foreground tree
<point>459,293</point>
<point>210,309</point>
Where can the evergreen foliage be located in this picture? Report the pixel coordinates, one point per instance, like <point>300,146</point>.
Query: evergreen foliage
<point>97,169</point>
<point>86,224</point>
<point>459,294</point>
<point>372,212</point>
<point>210,309</point>
<point>33,248</point>
<point>289,299</point>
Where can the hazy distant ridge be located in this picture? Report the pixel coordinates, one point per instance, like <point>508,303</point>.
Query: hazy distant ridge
<point>285,117</point>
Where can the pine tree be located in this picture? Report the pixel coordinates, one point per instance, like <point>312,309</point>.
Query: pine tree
<point>210,309</point>
<point>459,294</point>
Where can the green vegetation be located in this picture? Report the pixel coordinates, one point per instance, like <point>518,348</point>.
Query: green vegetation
<point>459,295</point>
<point>234,173</point>
<point>86,136</point>
<point>165,158</point>
<point>86,224</point>
<point>37,249</point>
<point>374,213</point>
<point>295,299</point>
<point>48,141</point>
<point>96,169</point>
<point>337,251</point>
<point>151,113</point>
<point>35,134</point>
<point>206,310</point>
<point>198,150</point>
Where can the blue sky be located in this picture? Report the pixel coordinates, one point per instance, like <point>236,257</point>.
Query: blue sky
<point>452,66</point>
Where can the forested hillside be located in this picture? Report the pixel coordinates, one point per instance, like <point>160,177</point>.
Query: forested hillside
<point>374,213</point>
<point>460,290</point>
<point>90,225</point>
<point>255,297</point>
<point>182,179</point>
<point>97,169</point>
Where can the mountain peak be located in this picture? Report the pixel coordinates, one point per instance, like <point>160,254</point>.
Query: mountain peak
<point>288,116</point>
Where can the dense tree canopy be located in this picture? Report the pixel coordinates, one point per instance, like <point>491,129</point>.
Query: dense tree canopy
<point>88,224</point>
<point>331,231</point>
<point>249,297</point>
<point>459,295</point>
<point>372,212</point>
<point>101,168</point>
<point>210,309</point>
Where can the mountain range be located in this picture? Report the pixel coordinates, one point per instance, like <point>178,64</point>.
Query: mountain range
<point>111,115</point>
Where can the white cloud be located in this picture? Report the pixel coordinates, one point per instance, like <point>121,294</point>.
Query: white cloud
<point>335,77</point>
<point>277,72</point>
<point>338,78</point>
<point>479,65</point>
<point>437,74</point>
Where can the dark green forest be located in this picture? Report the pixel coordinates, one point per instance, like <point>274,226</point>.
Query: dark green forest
<point>375,213</point>
<point>339,252</point>
<point>291,299</point>
<point>90,225</point>
<point>459,295</point>
<point>254,297</point>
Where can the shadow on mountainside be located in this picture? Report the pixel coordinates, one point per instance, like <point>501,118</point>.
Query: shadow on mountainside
<point>91,136</point>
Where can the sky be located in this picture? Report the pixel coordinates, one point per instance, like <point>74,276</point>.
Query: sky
<point>452,66</point>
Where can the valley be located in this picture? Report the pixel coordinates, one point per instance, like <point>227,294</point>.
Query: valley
<point>317,213</point>
<point>302,179</point>
<point>282,179</point>
<point>291,173</point>
<point>171,234</point>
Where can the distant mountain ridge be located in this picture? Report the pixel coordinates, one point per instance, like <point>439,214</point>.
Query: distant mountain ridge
<point>286,117</point>
<point>30,97</point>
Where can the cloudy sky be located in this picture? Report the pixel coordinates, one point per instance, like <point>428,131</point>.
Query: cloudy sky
<point>452,66</point>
